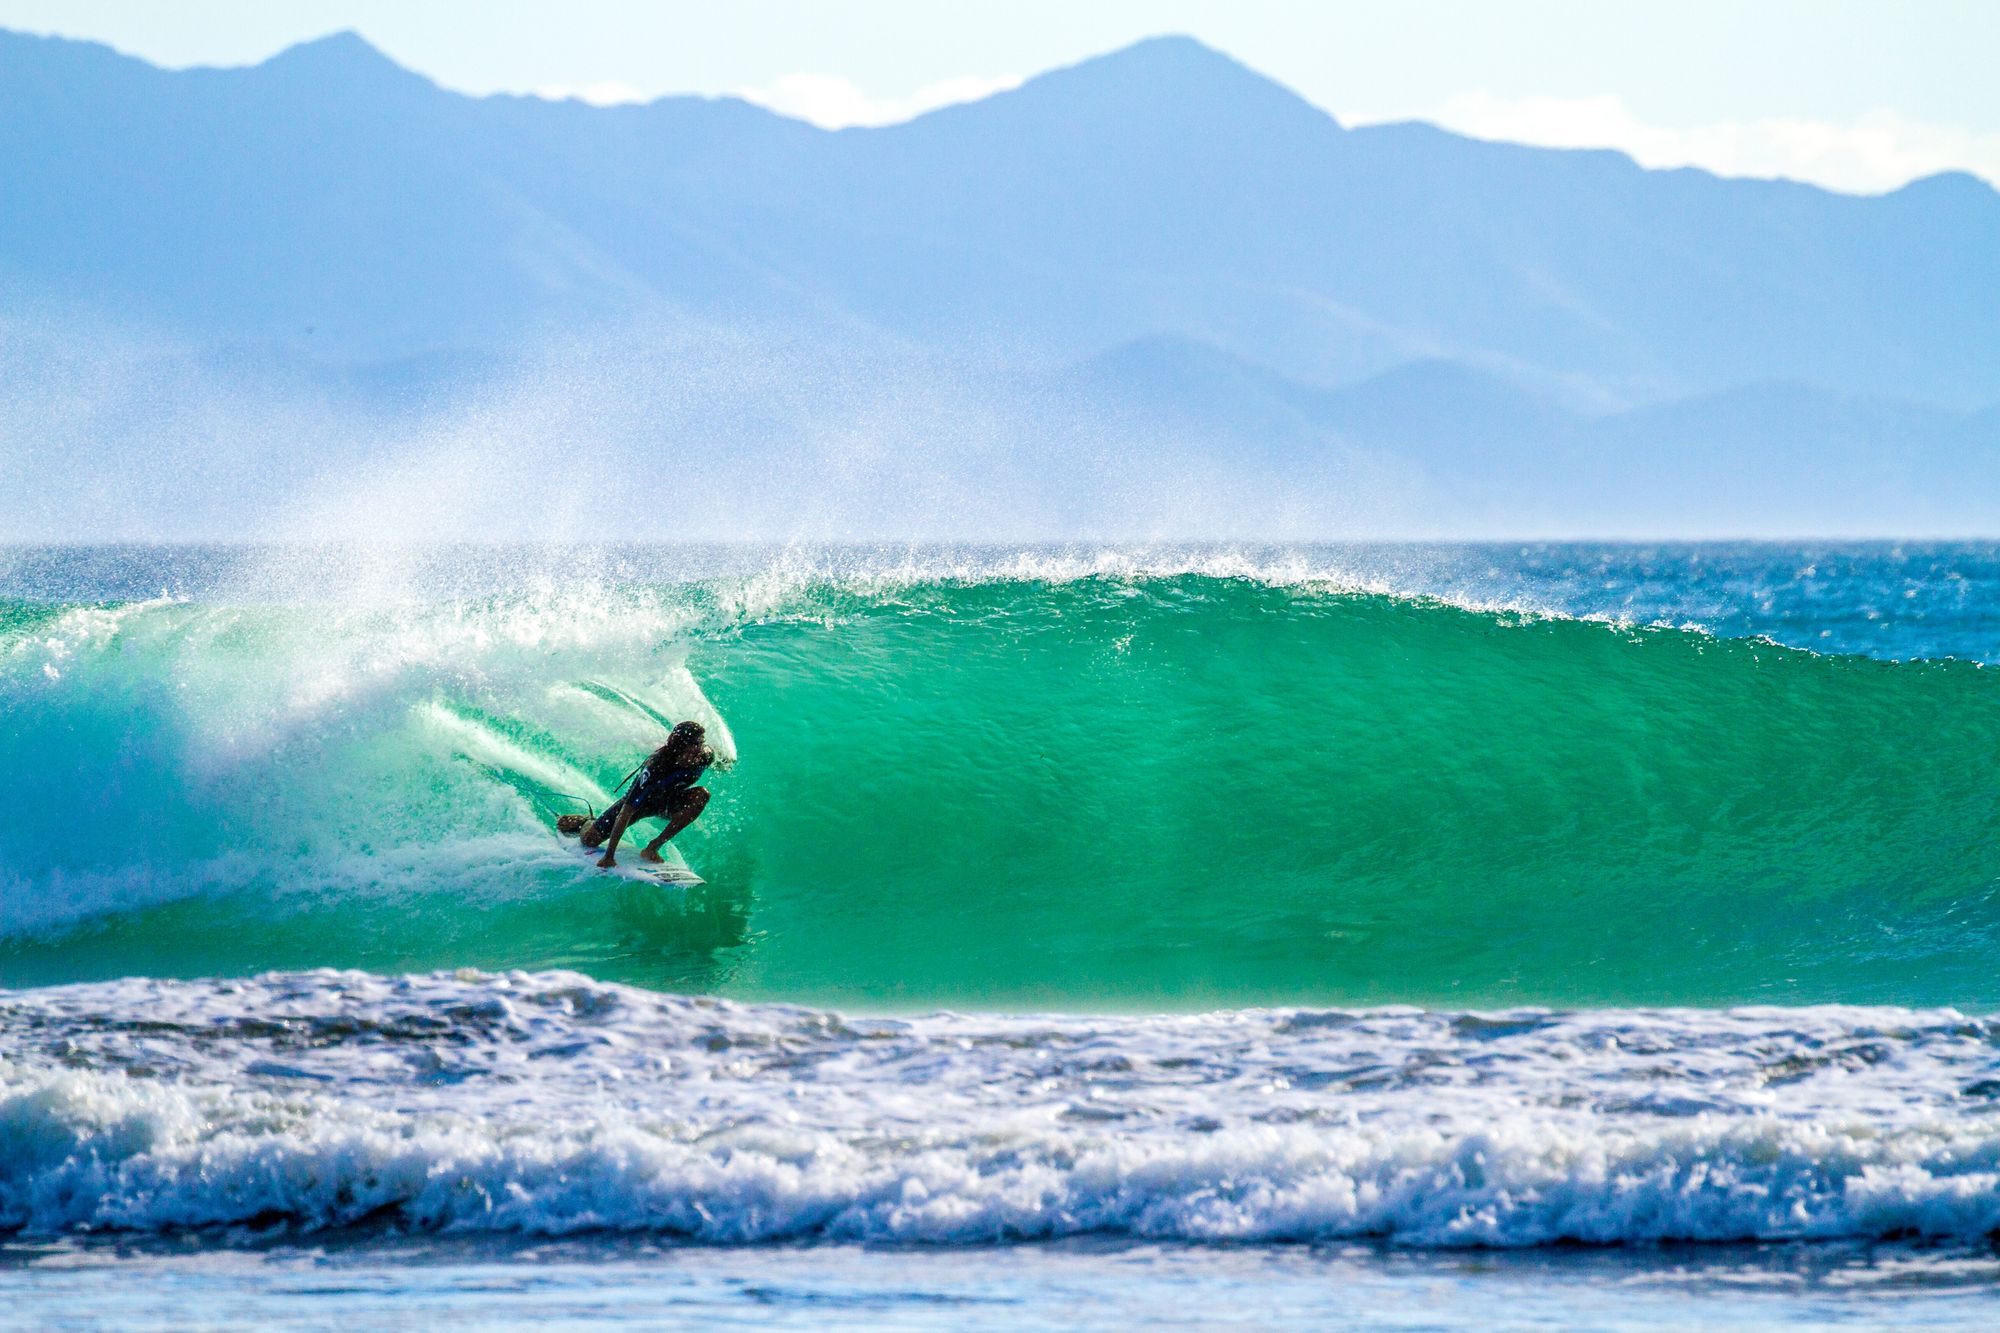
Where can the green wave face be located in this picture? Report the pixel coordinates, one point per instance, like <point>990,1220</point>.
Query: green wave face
<point>1100,793</point>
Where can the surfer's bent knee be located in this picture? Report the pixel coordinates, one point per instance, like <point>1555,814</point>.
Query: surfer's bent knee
<point>600,828</point>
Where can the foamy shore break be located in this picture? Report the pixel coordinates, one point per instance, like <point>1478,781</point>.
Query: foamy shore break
<point>548,1103</point>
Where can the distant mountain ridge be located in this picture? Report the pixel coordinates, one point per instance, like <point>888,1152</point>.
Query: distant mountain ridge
<point>1481,454</point>
<point>1159,233</point>
<point>1160,189</point>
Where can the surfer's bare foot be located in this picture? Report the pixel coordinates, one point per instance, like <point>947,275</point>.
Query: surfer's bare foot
<point>651,854</point>
<point>605,862</point>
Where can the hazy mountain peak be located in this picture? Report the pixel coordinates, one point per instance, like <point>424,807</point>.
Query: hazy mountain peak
<point>1948,185</point>
<point>345,54</point>
<point>1161,78</point>
<point>29,55</point>
<point>1171,55</point>
<point>345,44</point>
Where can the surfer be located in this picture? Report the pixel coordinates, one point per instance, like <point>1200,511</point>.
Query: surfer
<point>663,788</point>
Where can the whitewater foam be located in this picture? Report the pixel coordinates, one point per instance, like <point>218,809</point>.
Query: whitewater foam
<point>550,1103</point>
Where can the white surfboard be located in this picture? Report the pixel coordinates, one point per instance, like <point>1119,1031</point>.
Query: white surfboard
<point>673,870</point>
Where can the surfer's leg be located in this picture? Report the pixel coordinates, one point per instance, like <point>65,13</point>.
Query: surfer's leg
<point>692,803</point>
<point>601,830</point>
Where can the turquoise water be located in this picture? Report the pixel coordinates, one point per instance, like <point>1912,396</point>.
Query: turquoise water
<point>1213,785</point>
<point>1293,935</point>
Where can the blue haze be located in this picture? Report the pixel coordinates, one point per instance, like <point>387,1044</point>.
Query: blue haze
<point>1154,294</point>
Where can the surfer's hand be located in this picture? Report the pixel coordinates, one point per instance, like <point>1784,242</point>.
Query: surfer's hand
<point>605,862</point>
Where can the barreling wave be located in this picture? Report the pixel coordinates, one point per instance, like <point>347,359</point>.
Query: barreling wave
<point>1107,790</point>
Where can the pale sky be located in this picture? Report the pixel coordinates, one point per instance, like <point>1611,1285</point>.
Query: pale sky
<point>1854,95</point>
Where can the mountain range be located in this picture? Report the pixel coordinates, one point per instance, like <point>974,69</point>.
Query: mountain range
<point>1151,293</point>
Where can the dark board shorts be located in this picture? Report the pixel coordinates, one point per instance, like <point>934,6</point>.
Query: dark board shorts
<point>655,803</point>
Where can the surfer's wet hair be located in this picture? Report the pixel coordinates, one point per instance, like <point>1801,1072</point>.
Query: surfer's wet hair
<point>685,741</point>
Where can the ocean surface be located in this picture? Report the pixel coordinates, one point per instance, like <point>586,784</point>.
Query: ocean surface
<point>1597,934</point>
